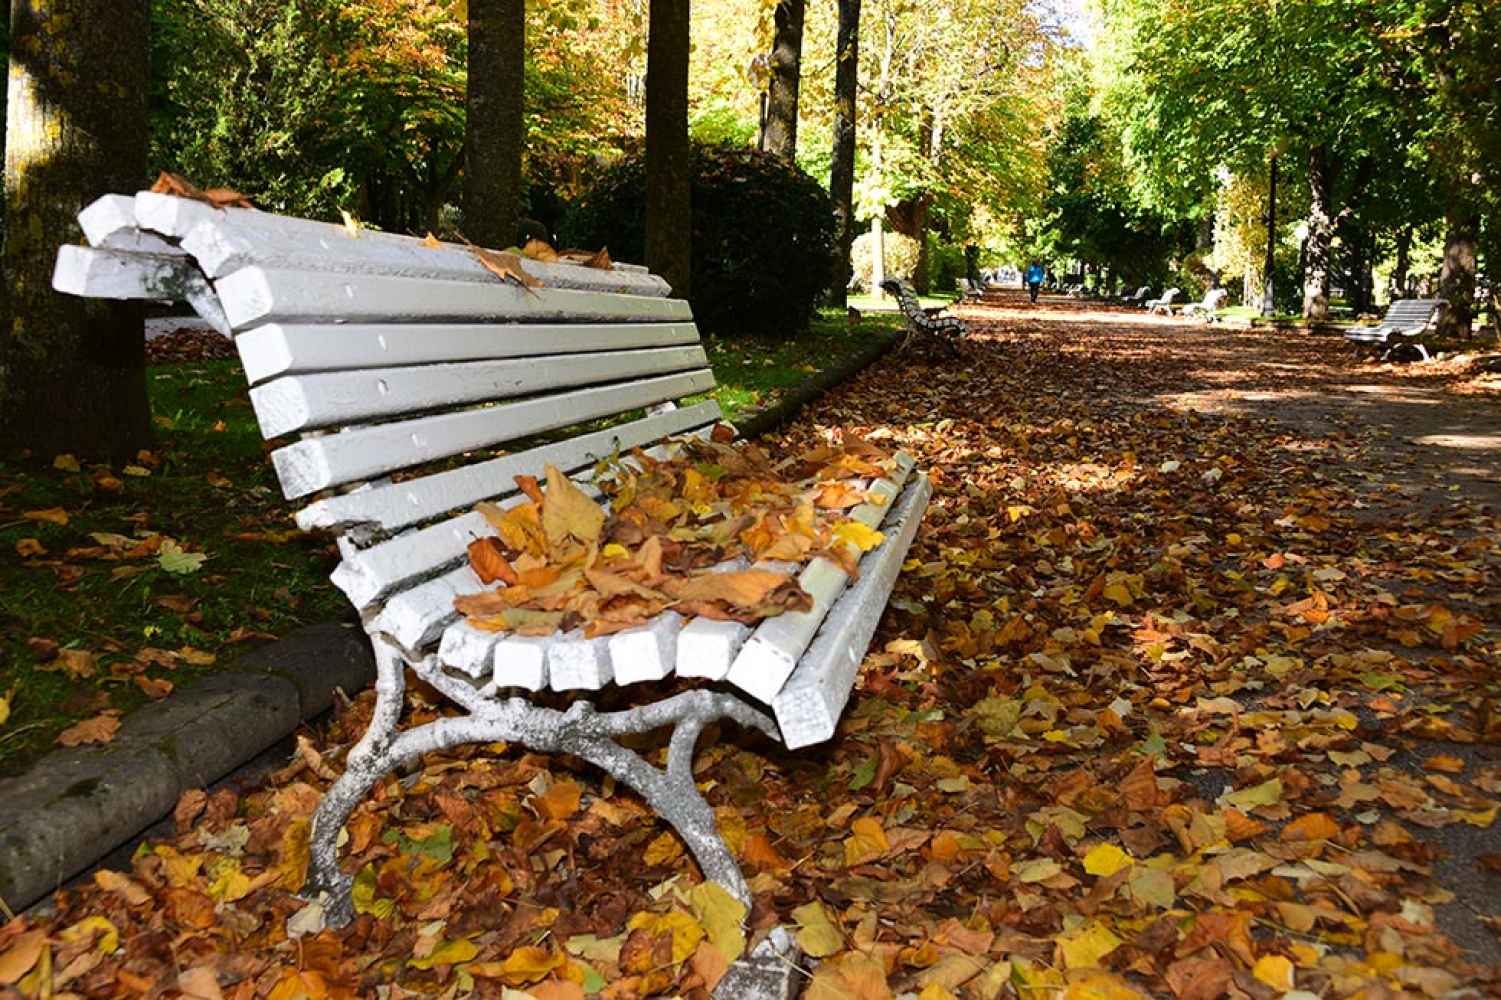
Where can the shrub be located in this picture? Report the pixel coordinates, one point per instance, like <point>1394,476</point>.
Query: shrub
<point>763,233</point>
<point>945,264</point>
<point>900,258</point>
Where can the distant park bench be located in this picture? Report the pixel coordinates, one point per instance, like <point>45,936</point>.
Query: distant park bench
<point>970,291</point>
<point>925,323</point>
<point>1209,305</point>
<point>392,369</point>
<point>1404,324</point>
<point>1138,297</point>
<point>1164,303</point>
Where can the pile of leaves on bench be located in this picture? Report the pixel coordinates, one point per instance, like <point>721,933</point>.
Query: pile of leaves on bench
<point>682,534</point>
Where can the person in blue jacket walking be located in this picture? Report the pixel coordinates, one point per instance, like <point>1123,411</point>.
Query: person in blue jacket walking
<point>1035,274</point>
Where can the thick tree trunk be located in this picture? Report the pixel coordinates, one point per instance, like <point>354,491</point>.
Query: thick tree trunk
<point>1320,234</point>
<point>495,132</point>
<point>842,169</point>
<point>1456,283</point>
<point>669,164</point>
<point>1403,263</point>
<point>922,280</point>
<point>72,371</point>
<point>779,129</point>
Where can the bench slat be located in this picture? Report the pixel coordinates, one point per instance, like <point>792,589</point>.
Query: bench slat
<point>809,705</point>
<point>302,402</point>
<point>109,223</point>
<point>224,242</point>
<point>399,505</point>
<point>97,273</point>
<point>255,295</point>
<point>317,463</point>
<point>772,651</point>
<point>293,348</point>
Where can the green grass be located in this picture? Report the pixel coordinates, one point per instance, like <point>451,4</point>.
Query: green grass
<point>885,303</point>
<point>210,488</point>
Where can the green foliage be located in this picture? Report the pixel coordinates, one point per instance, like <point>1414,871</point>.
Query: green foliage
<point>945,264</point>
<point>899,260</point>
<point>762,235</point>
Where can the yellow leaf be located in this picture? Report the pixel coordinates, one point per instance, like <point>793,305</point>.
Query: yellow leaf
<point>568,512</point>
<point>933,991</point>
<point>5,705</point>
<point>615,551</point>
<point>1085,947</point>
<point>229,882</point>
<point>1274,970</point>
<point>138,471</point>
<point>1102,986</point>
<point>52,515</point>
<point>686,932</point>
<point>66,463</point>
<point>722,917</point>
<point>867,841</point>
<point>859,535</point>
<point>182,869</point>
<point>196,657</point>
<point>459,950</point>
<point>122,885</point>
<point>85,929</point>
<point>1119,593</point>
<point>816,933</point>
<point>1105,860</point>
<point>663,850</point>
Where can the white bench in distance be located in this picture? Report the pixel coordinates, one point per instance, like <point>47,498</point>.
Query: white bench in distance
<point>1406,320</point>
<point>369,354</point>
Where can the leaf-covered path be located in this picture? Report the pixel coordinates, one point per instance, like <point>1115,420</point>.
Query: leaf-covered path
<point>1187,689</point>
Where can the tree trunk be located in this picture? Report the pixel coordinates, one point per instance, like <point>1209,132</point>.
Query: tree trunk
<point>1403,264</point>
<point>1269,267</point>
<point>669,163</point>
<point>842,169</point>
<point>1456,281</point>
<point>1320,233</point>
<point>922,281</point>
<point>72,371</point>
<point>779,130</point>
<point>494,132</point>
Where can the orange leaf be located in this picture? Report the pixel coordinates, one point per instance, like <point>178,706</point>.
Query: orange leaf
<point>489,562</point>
<point>506,266</point>
<point>100,729</point>
<point>560,801</point>
<point>1313,826</point>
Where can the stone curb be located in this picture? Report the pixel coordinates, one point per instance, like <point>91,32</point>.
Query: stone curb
<point>74,806</point>
<point>780,412</point>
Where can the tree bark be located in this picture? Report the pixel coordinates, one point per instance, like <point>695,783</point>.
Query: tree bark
<point>1269,267</point>
<point>669,166</point>
<point>842,169</point>
<point>1456,281</point>
<point>1320,233</point>
<point>72,371</point>
<point>495,130</point>
<point>1403,263</point>
<point>779,130</point>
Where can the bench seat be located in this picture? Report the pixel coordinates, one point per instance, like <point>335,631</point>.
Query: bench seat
<point>404,382</point>
<point>1405,321</point>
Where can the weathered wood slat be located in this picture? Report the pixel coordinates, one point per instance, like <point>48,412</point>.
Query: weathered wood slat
<point>316,463</point>
<point>647,652</point>
<point>706,648</point>
<point>303,402</point>
<point>369,574</point>
<point>96,273</point>
<point>575,663</point>
<point>226,241</point>
<point>809,705</point>
<point>289,349</point>
<point>772,651</point>
<point>521,661</point>
<point>109,223</point>
<point>468,649</point>
<point>416,618</point>
<point>255,295</point>
<point>400,505</point>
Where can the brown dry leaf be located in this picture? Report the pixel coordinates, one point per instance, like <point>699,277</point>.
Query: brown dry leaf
<point>849,976</point>
<point>176,184</point>
<point>1313,826</point>
<point>199,983</point>
<point>189,807</point>
<point>26,548</point>
<point>589,258</point>
<point>78,664</point>
<point>100,729</point>
<point>539,250</point>
<point>489,562</point>
<point>51,515</point>
<point>122,885</point>
<point>742,589</point>
<point>22,954</point>
<point>560,801</point>
<point>154,688</point>
<point>505,266</point>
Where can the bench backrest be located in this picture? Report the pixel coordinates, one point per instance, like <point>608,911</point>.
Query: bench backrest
<point>373,354</point>
<point>1405,314</point>
<point>1215,297</point>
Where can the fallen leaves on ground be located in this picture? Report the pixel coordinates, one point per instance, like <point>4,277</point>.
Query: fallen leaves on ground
<point>1125,731</point>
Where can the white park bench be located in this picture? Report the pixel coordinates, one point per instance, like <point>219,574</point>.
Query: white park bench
<point>1138,297</point>
<point>1163,304</point>
<point>1209,305</point>
<point>392,370</point>
<point>970,291</point>
<point>925,324</point>
<point>1405,322</point>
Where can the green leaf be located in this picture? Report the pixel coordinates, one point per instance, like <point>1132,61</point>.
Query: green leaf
<point>173,559</point>
<point>864,774</point>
